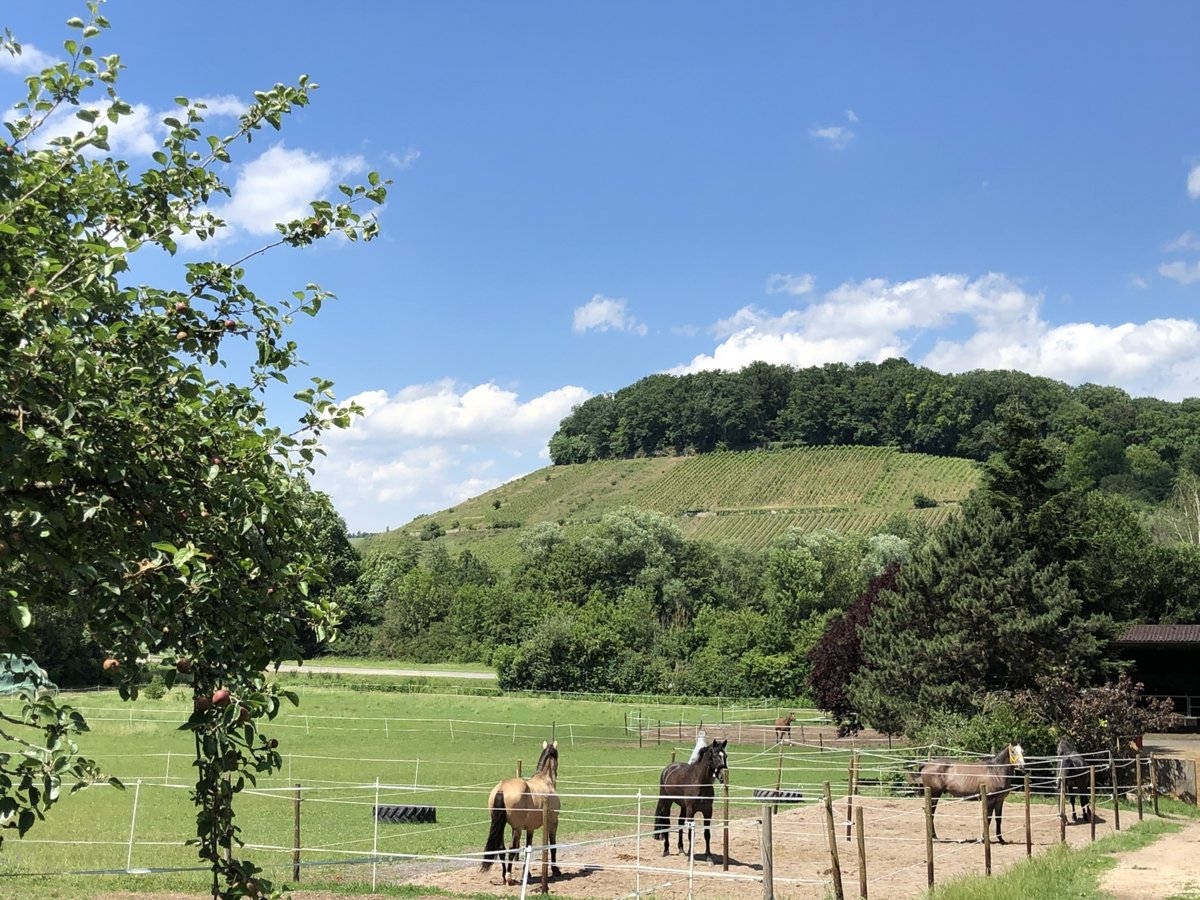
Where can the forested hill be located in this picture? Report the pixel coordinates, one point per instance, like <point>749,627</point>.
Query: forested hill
<point>1138,444</point>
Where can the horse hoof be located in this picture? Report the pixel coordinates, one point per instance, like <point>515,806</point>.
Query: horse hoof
<point>556,871</point>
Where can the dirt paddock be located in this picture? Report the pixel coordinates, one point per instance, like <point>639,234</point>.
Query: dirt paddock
<point>894,832</point>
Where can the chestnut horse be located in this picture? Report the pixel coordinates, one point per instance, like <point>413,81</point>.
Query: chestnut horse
<point>958,778</point>
<point>518,801</point>
<point>783,727</point>
<point>690,785</point>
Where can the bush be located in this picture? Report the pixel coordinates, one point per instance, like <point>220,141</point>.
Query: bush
<point>922,501</point>
<point>156,689</point>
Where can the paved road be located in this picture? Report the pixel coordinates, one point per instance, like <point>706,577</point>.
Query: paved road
<point>410,673</point>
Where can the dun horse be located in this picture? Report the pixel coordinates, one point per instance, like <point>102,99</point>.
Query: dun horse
<point>1074,773</point>
<point>518,801</point>
<point>690,785</point>
<point>965,779</point>
<point>783,727</point>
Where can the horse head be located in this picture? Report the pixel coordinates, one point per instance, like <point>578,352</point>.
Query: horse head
<point>719,760</point>
<point>1016,756</point>
<point>548,761</point>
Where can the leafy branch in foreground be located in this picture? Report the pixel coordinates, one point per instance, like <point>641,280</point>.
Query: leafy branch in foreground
<point>152,501</point>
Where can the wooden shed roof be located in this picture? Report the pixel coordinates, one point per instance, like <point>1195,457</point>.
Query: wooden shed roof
<point>1160,634</point>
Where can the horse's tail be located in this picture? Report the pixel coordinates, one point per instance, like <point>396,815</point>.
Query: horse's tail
<point>495,838</point>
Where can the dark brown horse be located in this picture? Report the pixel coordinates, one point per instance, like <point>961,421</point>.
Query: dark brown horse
<point>690,785</point>
<point>518,802</point>
<point>1074,773</point>
<point>783,727</point>
<point>958,778</point>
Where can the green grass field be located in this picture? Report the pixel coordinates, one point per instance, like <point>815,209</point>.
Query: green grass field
<point>746,497</point>
<point>443,750</point>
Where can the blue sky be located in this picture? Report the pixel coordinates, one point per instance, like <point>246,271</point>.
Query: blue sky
<point>587,193</point>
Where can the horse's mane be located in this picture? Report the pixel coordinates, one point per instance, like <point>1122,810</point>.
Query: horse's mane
<point>1066,747</point>
<point>550,751</point>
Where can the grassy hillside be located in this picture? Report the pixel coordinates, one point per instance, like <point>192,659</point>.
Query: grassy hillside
<point>746,497</point>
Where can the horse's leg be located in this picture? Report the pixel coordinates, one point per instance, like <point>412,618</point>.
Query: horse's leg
<point>707,849</point>
<point>553,839</point>
<point>933,802</point>
<point>999,807</point>
<point>682,823</point>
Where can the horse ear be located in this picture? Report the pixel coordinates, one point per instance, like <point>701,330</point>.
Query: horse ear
<point>555,745</point>
<point>544,745</point>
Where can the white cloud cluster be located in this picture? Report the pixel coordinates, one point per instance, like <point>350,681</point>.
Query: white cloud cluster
<point>278,185</point>
<point>836,137</point>
<point>29,61</point>
<point>988,322</point>
<point>1181,272</point>
<point>604,313</point>
<point>790,284</point>
<point>429,446</point>
<point>1193,183</point>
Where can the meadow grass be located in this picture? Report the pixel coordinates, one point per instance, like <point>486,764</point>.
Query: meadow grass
<point>444,750</point>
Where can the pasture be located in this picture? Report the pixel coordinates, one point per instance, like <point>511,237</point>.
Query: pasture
<point>351,749</point>
<point>443,750</point>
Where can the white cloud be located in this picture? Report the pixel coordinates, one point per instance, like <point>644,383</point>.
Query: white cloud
<point>1186,241</point>
<point>1193,183</point>
<point>222,105</point>
<point>428,446</point>
<point>1184,273</point>
<point>836,137</point>
<point>30,61</point>
<point>279,185</point>
<point>988,322</point>
<point>1138,282</point>
<point>403,162</point>
<point>790,284</point>
<point>603,313</point>
<point>851,116</point>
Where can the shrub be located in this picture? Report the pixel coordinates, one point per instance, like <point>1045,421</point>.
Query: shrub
<point>922,501</point>
<point>156,689</point>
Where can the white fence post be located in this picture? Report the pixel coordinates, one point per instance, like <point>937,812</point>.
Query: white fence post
<point>375,838</point>
<point>137,789</point>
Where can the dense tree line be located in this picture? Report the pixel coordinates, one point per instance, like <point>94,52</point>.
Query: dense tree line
<point>1134,446</point>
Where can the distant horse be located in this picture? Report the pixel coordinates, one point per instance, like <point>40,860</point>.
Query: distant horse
<point>518,801</point>
<point>690,785</point>
<point>965,779</point>
<point>783,726</point>
<point>1074,774</point>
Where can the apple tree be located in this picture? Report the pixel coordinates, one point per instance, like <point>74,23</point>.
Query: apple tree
<point>143,489</point>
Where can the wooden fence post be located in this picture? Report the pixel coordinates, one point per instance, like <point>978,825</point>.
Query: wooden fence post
<point>862,853</point>
<point>1112,773</point>
<point>1062,806</point>
<point>1154,784</point>
<point>853,779</point>
<point>545,844</point>
<point>778,777</point>
<point>518,768</point>
<point>1028,825</point>
<point>929,833</point>
<point>833,851</point>
<point>768,853</point>
<point>1092,798</point>
<point>1137,770</point>
<point>725,828</point>
<point>987,840</point>
<point>296,836</point>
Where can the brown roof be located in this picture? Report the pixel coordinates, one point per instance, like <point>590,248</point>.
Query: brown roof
<point>1160,634</point>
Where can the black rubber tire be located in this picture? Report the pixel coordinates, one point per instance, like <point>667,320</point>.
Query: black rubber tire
<point>396,814</point>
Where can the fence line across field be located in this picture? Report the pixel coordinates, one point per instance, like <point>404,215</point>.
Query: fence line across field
<point>367,794</point>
